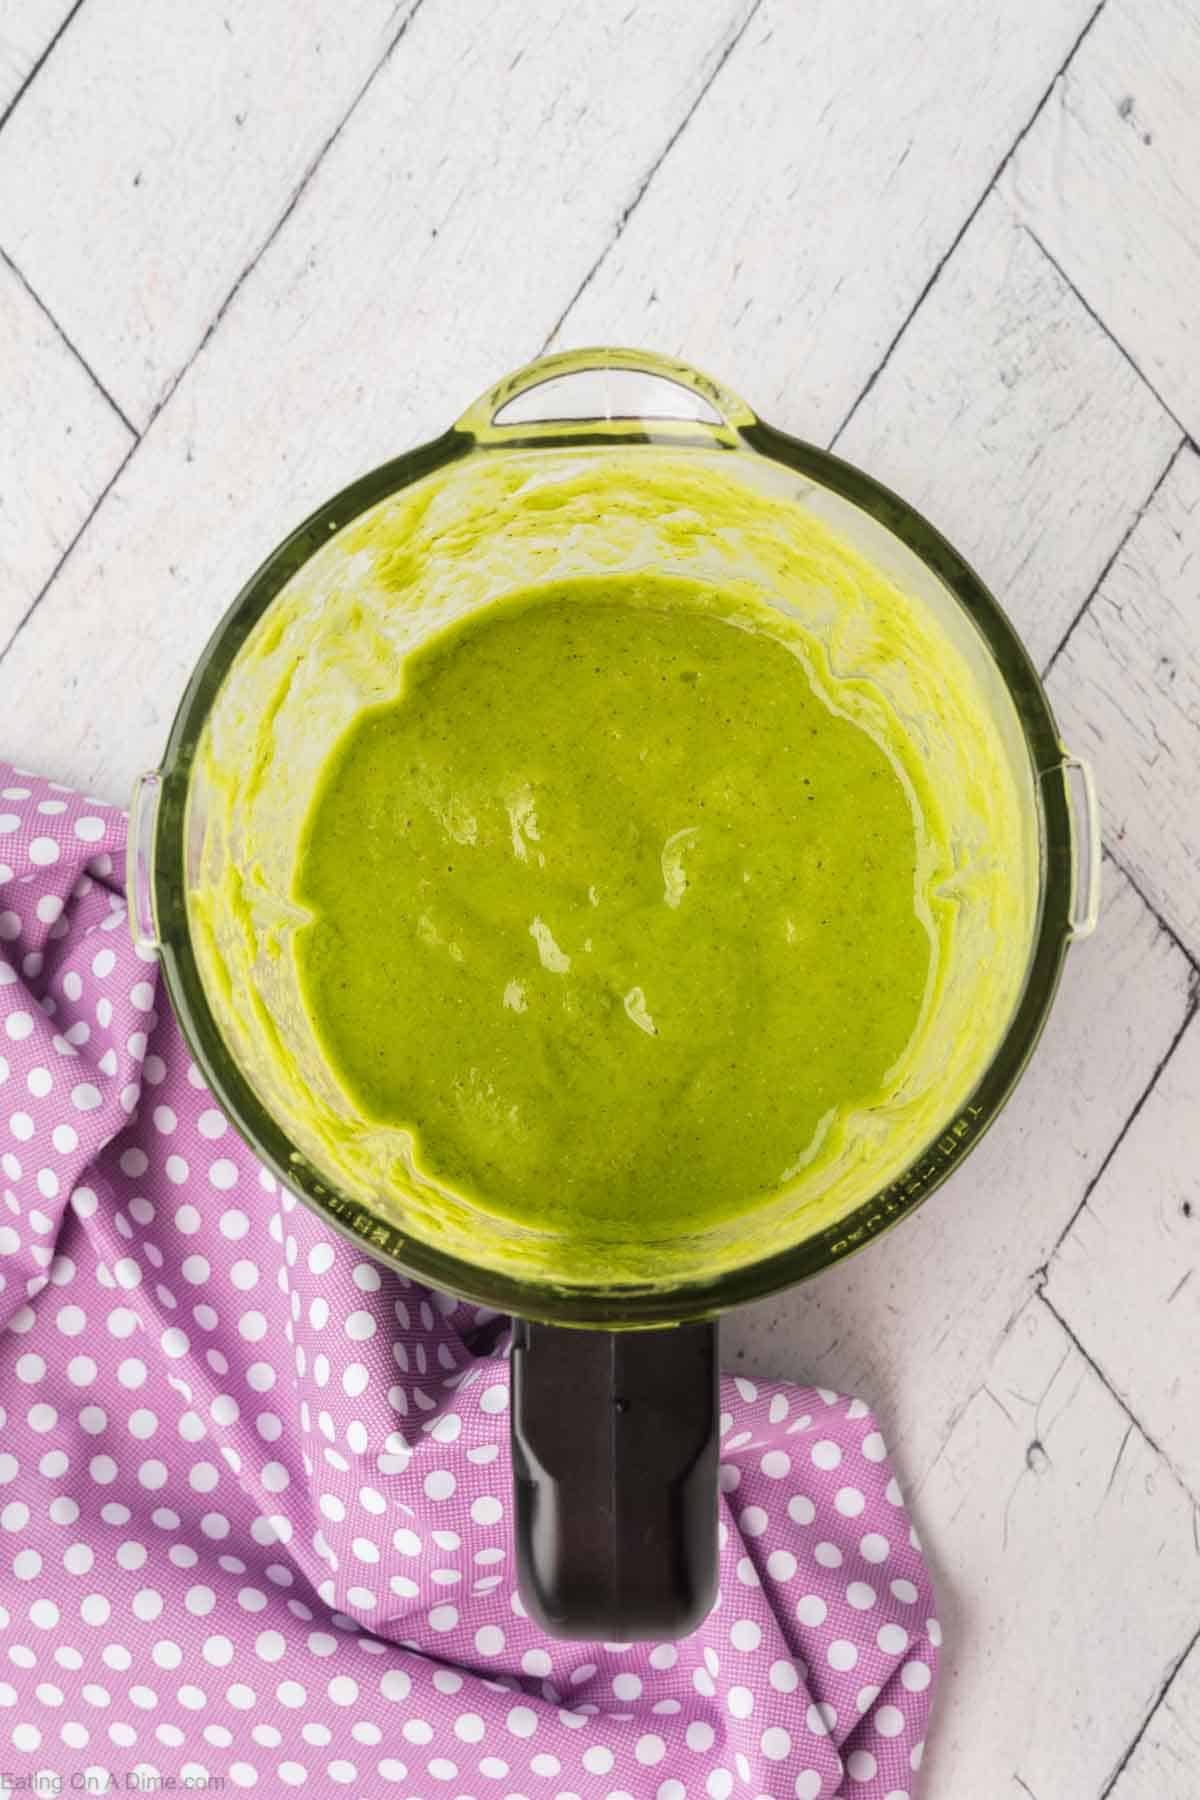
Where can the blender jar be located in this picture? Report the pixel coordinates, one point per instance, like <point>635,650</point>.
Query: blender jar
<point>557,472</point>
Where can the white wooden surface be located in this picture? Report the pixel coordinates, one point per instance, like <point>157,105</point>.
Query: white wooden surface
<point>249,249</point>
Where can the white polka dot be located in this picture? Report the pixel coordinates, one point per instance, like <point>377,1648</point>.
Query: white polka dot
<point>781,1565</point>
<point>776,1464</point>
<point>719,1784</point>
<point>850,1502</point>
<point>269,1646</point>
<point>740,1702</point>
<point>745,1635</point>
<point>889,1721</point>
<point>905,1592</point>
<point>493,1399</point>
<point>776,1743</point>
<point>234,1223</point>
<point>892,1640</point>
<point>821,1719</point>
<point>826,1454</point>
<point>828,1555</point>
<point>811,1610</point>
<point>85,1097</point>
<point>597,1759</point>
<point>861,1596</point>
<point>915,1676</point>
<point>935,1632</point>
<point>874,1548</point>
<point>489,1640</point>
<point>861,1765</point>
<point>753,1521</point>
<point>89,829</point>
<point>809,1783</point>
<point>841,1654</point>
<point>43,851</point>
<point>440,1484</point>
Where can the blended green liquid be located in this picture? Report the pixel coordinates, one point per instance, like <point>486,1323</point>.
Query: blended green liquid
<point>611,911</point>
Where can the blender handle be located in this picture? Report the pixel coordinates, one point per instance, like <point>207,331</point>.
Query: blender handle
<point>139,861</point>
<point>1085,845</point>
<point>482,422</point>
<point>614,1441</point>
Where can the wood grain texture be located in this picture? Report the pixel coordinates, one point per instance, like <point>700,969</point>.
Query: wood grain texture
<point>914,1322</point>
<point>779,192</point>
<point>1003,386</point>
<point>400,287</point>
<point>1107,180</point>
<point>138,183</point>
<point>1069,1576</point>
<point>1165,1763</point>
<point>60,444</point>
<point>1134,1254</point>
<point>1127,693</point>
<point>791,230</point>
<point>27,28</point>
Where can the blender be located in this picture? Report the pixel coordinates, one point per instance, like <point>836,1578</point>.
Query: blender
<point>580,464</point>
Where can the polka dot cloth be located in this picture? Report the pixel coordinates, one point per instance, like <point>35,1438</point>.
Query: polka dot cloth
<point>254,1488</point>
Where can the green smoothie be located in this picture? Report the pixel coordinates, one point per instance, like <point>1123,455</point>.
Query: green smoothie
<point>613,910</point>
<point>607,870</point>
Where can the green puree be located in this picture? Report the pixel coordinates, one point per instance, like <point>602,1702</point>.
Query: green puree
<point>611,910</point>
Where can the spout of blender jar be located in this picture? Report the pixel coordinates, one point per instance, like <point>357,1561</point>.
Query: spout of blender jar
<point>614,1440</point>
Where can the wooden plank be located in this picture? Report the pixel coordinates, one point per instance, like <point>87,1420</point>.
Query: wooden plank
<point>1110,181</point>
<point>813,194</point>
<point>912,1322</point>
<point>1068,1576</point>
<point>1166,1763</point>
<point>1127,693</point>
<point>1133,1255</point>
<point>27,28</point>
<point>136,185</point>
<point>60,444</point>
<point>387,302</point>
<point>1009,417</point>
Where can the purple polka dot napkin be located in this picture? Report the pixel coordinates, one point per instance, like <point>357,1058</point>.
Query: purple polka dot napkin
<point>254,1487</point>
